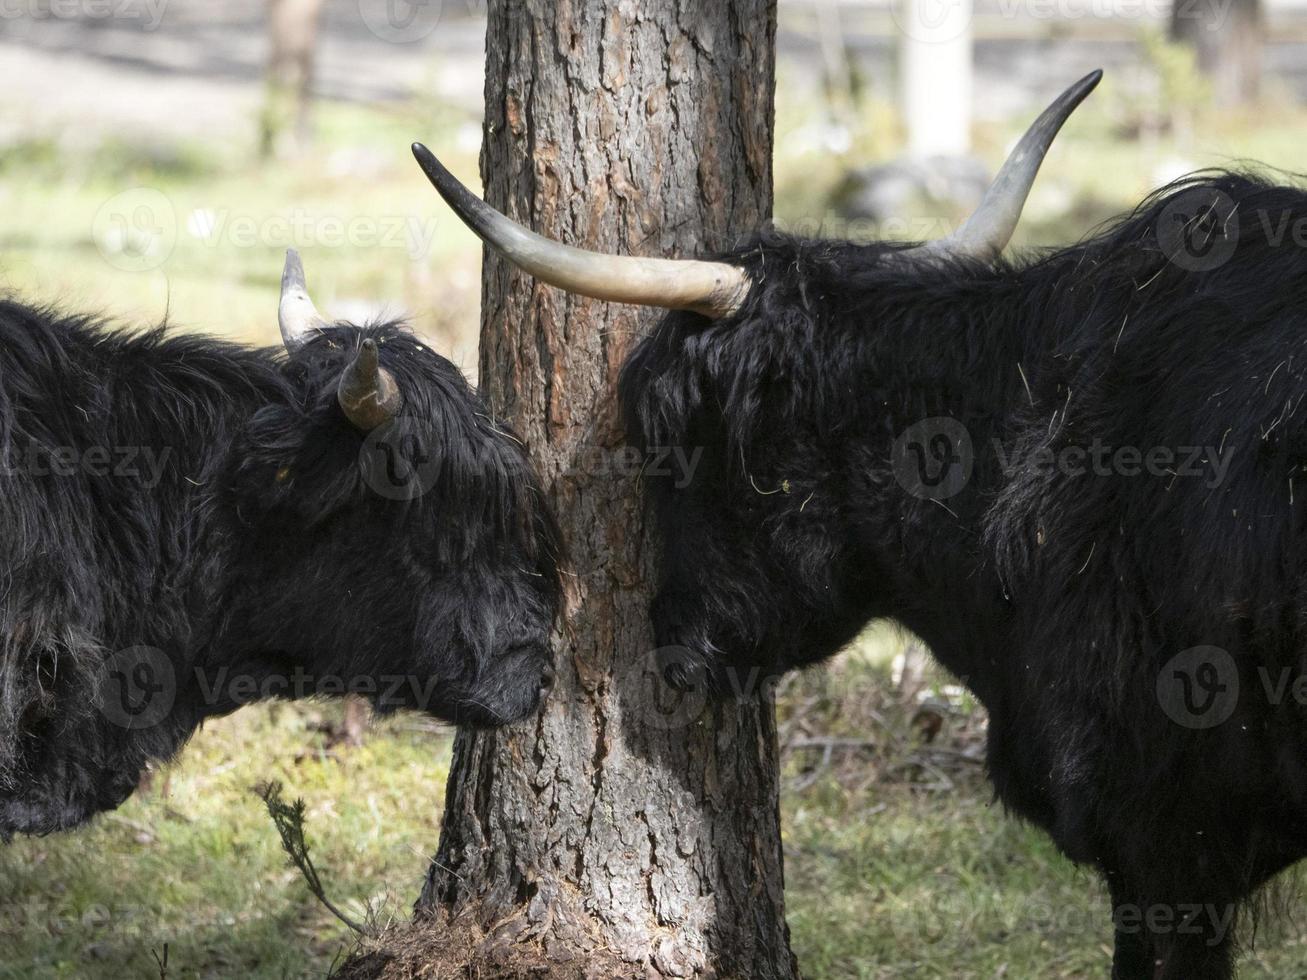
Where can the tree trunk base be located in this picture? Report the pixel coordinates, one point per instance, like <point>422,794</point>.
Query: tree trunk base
<point>534,945</point>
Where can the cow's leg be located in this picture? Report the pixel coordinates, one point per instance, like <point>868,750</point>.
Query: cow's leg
<point>1132,955</point>
<point>1132,952</point>
<point>1198,950</point>
<point>1192,935</point>
<point>1165,933</point>
<point>1161,937</point>
<point>1198,943</point>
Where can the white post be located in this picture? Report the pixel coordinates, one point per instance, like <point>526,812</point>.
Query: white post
<point>935,74</point>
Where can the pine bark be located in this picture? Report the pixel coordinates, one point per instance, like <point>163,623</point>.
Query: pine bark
<point>623,821</point>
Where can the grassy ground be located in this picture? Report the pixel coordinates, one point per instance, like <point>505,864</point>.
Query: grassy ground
<point>196,864</point>
<point>898,866</point>
<point>897,863</point>
<point>198,231</point>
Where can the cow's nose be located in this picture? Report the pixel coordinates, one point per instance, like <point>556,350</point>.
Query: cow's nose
<point>547,678</point>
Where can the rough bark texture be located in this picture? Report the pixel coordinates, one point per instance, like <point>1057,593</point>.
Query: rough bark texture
<point>623,821</point>
<point>1228,38</point>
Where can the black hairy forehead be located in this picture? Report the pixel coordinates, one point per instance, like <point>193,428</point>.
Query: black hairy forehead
<point>314,451</point>
<point>423,374</point>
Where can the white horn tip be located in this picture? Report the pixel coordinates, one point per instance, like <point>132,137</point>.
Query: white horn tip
<point>297,316</point>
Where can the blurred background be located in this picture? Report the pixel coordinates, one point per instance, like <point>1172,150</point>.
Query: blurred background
<point>158,156</point>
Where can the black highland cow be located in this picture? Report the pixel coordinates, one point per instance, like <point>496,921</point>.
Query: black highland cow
<point>189,525</point>
<point>1079,476</point>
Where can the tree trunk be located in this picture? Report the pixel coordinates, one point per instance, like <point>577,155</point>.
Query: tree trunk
<point>622,824</point>
<point>293,28</point>
<point>1228,39</point>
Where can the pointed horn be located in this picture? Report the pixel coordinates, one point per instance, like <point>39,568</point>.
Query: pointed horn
<point>986,233</point>
<point>367,392</point>
<point>715,289</point>
<point>298,317</point>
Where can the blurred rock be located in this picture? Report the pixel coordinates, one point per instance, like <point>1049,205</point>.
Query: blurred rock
<point>893,190</point>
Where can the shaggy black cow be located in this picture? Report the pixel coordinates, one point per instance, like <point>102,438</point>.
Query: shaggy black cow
<point>190,525</point>
<point>1078,476</point>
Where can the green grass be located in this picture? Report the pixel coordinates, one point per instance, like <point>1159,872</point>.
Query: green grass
<point>888,877</point>
<point>199,232</point>
<point>892,883</point>
<point>198,866</point>
<point>894,870</point>
<point>896,883</point>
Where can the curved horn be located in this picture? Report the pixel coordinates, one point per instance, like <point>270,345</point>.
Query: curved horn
<point>715,289</point>
<point>298,317</point>
<point>367,392</point>
<point>986,233</point>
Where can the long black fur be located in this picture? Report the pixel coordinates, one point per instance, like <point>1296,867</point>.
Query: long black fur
<point>1057,597</point>
<point>248,548</point>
